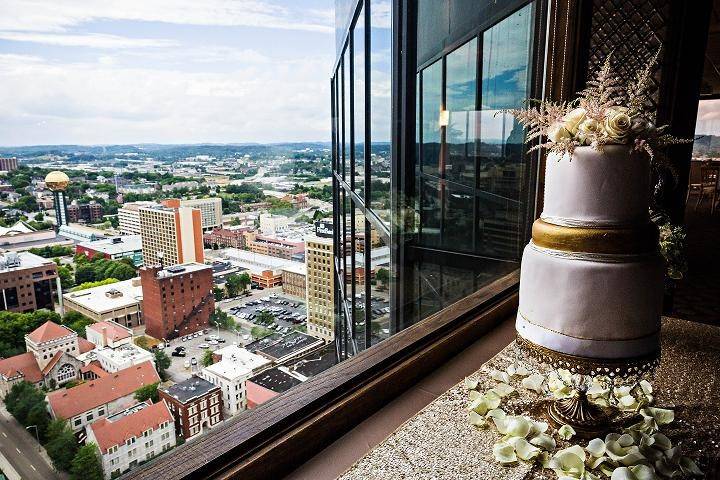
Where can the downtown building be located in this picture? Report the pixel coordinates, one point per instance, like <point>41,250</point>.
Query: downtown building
<point>86,212</point>
<point>320,286</point>
<point>171,234</point>
<point>177,300</point>
<point>28,282</point>
<point>196,405</point>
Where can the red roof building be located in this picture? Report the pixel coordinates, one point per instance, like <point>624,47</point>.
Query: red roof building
<point>134,435</point>
<point>85,403</point>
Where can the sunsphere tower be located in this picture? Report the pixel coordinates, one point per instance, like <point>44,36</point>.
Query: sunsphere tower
<point>57,182</point>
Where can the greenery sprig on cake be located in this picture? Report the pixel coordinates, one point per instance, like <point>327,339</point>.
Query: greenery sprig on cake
<point>609,111</point>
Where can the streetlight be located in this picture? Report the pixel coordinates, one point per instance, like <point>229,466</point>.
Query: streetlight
<point>37,435</point>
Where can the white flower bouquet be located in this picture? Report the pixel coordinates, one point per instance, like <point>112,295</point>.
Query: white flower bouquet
<point>608,111</point>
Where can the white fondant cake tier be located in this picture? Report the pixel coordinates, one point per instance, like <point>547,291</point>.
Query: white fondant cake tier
<point>601,306</point>
<point>611,187</point>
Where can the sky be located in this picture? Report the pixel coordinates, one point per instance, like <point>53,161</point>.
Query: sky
<point>708,119</point>
<point>165,71</point>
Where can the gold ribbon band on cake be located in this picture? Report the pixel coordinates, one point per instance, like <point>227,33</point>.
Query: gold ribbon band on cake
<point>640,239</point>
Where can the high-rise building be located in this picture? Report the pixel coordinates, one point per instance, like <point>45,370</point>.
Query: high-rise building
<point>177,300</point>
<point>87,212</point>
<point>210,211</point>
<point>171,234</point>
<point>26,282</point>
<point>129,217</point>
<point>319,258</point>
<point>57,182</point>
<point>8,164</point>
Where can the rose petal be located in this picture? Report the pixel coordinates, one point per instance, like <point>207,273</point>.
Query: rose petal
<point>523,449</point>
<point>643,472</point>
<point>596,447</point>
<point>533,382</point>
<point>622,473</point>
<point>504,453</point>
<point>689,467</point>
<point>470,384</point>
<point>502,389</point>
<point>544,441</point>
<point>662,416</point>
<point>476,419</point>
<point>566,432</point>
<point>499,376</point>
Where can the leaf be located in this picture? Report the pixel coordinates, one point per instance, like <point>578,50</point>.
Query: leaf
<point>533,382</point>
<point>566,432</point>
<point>504,453</point>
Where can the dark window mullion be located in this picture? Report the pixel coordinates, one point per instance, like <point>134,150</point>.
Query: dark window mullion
<point>478,126</point>
<point>368,177</point>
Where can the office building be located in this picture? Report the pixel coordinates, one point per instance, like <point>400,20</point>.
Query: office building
<point>271,224</point>
<point>120,302</point>
<point>319,259</point>
<point>132,436</point>
<point>275,247</point>
<point>57,182</point>
<point>196,405</point>
<point>82,233</point>
<point>115,248</point>
<point>8,164</point>
<point>87,212</point>
<point>294,280</point>
<point>129,217</point>
<point>28,282</point>
<point>266,271</point>
<point>227,237</point>
<point>86,403</point>
<point>177,300</point>
<point>210,211</point>
<point>236,365</point>
<point>171,234</point>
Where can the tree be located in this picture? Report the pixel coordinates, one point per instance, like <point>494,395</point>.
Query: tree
<point>23,401</point>
<point>382,275</point>
<point>61,444</point>
<point>232,284</point>
<point>218,293</point>
<point>77,322</point>
<point>39,417</point>
<point>14,326</point>
<point>84,274</point>
<point>162,363</point>
<point>86,464</point>
<point>148,392</point>
<point>245,280</point>
<point>86,285</point>
<point>265,317</point>
<point>67,280</point>
<point>222,319</point>
<point>259,332</point>
<point>207,358</point>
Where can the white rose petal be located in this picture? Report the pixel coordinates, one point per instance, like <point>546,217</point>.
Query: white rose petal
<point>470,383</point>
<point>596,447</point>
<point>474,395</point>
<point>499,376</point>
<point>622,473</point>
<point>496,413</point>
<point>643,472</point>
<point>524,450</point>
<point>534,382</point>
<point>662,416</point>
<point>502,389</point>
<point>504,453</point>
<point>557,132</point>
<point>476,419</point>
<point>544,441</point>
<point>646,387</point>
<point>572,119</point>
<point>566,432</point>
<point>595,462</point>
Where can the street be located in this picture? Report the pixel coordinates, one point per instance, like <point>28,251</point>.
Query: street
<point>20,448</point>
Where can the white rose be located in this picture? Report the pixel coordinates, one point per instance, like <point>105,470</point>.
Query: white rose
<point>572,120</point>
<point>587,129</point>
<point>557,132</point>
<point>617,123</point>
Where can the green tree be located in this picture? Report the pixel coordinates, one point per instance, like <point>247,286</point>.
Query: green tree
<point>26,203</point>
<point>382,275</point>
<point>207,358</point>
<point>259,332</point>
<point>148,392</point>
<point>232,284</point>
<point>86,285</point>
<point>77,322</point>
<point>67,279</point>
<point>218,293</point>
<point>86,464</point>
<point>162,363</point>
<point>22,402</point>
<point>265,317</point>
<point>39,417</point>
<point>84,274</point>
<point>14,326</point>
<point>245,280</point>
<point>61,444</point>
<point>222,319</point>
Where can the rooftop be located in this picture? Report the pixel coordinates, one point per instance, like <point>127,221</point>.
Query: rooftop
<point>289,345</point>
<point>67,403</point>
<point>131,422</point>
<point>255,262</point>
<point>12,261</point>
<point>296,267</point>
<point>24,364</point>
<point>189,389</point>
<point>124,353</point>
<point>106,298</point>
<point>49,331</point>
<point>113,330</point>
<point>182,269</point>
<point>236,362</point>
<point>315,362</point>
<point>115,245</point>
<point>275,379</point>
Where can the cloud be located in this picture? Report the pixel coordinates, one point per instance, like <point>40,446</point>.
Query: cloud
<point>59,16</point>
<point>92,40</point>
<point>100,102</point>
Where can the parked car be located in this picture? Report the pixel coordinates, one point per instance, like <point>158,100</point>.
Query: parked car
<point>213,342</point>
<point>178,353</point>
<point>193,361</point>
<point>221,340</point>
<point>187,364</point>
<point>204,345</point>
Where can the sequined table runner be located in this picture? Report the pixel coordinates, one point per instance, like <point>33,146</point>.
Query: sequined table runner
<point>439,442</point>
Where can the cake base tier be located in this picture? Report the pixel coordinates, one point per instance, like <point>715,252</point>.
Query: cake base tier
<point>603,306</point>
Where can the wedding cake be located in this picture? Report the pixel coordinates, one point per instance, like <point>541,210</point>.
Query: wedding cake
<point>591,280</point>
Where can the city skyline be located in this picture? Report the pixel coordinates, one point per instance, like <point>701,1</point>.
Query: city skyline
<point>216,72</point>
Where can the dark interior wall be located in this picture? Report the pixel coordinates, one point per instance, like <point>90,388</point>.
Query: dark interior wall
<point>443,24</point>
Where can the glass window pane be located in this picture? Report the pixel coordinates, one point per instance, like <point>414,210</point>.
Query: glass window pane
<point>380,106</point>
<point>430,212</point>
<point>359,101</point>
<point>462,131</point>
<point>380,287</point>
<point>431,160</point>
<point>347,113</point>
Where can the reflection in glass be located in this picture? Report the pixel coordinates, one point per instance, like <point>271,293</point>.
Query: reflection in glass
<point>380,106</point>
<point>380,286</point>
<point>461,103</point>
<point>359,101</point>
<point>346,113</point>
<point>431,161</point>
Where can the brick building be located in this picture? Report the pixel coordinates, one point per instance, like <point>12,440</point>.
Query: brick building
<point>276,247</point>
<point>225,237</point>
<point>26,282</point>
<point>8,164</point>
<point>87,212</point>
<point>293,280</point>
<point>177,300</point>
<point>196,405</point>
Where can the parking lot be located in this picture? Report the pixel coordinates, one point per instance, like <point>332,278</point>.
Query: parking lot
<point>180,370</point>
<point>287,312</point>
